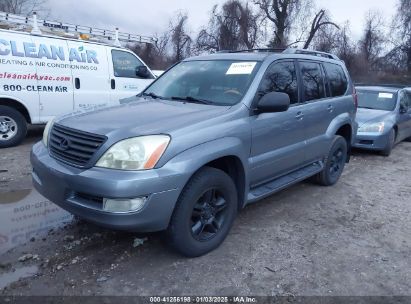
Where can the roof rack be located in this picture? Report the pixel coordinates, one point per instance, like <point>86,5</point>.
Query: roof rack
<point>68,30</point>
<point>286,51</point>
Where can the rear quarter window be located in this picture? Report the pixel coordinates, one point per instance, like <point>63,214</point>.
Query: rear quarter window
<point>337,80</point>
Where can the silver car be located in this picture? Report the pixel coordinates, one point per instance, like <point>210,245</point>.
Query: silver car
<point>383,117</point>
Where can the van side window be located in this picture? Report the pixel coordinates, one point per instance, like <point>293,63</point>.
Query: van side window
<point>336,79</point>
<point>281,77</point>
<point>125,64</point>
<point>313,80</point>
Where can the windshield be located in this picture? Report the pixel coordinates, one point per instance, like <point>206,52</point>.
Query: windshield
<point>217,82</point>
<point>377,100</point>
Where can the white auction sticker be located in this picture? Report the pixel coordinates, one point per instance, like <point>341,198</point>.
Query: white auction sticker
<point>241,68</point>
<point>385,95</point>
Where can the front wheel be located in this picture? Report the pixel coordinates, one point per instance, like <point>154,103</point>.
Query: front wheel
<point>13,127</point>
<point>390,145</point>
<point>204,213</point>
<point>334,163</point>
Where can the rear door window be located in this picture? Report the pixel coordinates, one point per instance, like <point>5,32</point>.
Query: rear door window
<point>337,80</point>
<point>313,80</point>
<point>281,77</point>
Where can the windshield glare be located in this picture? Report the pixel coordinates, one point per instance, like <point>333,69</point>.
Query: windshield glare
<point>377,100</point>
<point>219,82</point>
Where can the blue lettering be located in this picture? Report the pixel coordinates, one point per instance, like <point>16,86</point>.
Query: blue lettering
<point>74,55</point>
<point>92,57</point>
<point>30,49</point>
<point>14,50</point>
<point>4,51</point>
<point>43,52</point>
<point>57,52</point>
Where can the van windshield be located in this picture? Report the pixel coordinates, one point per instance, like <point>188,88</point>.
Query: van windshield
<point>216,82</point>
<point>377,100</point>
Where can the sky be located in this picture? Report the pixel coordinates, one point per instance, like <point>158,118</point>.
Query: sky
<point>149,17</point>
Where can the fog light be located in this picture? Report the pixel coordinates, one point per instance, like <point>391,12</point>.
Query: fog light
<point>124,205</point>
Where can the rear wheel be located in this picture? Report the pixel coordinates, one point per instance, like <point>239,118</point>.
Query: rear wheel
<point>334,163</point>
<point>390,145</point>
<point>204,213</point>
<point>13,127</point>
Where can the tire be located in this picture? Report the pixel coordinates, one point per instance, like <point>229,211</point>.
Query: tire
<point>195,227</point>
<point>13,127</point>
<point>390,145</point>
<point>334,162</point>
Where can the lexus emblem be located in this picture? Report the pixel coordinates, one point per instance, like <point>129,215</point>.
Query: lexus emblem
<point>64,144</point>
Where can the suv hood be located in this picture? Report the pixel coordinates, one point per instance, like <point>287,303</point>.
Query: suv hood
<point>142,117</point>
<point>369,115</point>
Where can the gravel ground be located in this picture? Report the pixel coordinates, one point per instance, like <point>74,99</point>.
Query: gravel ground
<point>350,239</point>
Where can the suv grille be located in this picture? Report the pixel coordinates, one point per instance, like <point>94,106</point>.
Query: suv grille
<point>73,146</point>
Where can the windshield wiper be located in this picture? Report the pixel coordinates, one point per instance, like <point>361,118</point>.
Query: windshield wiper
<point>192,99</point>
<point>152,95</point>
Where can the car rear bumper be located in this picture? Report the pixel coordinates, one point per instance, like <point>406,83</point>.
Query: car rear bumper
<point>81,191</point>
<point>371,141</point>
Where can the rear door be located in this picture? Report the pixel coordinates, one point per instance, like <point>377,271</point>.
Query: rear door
<point>124,82</point>
<point>278,139</point>
<point>324,87</point>
<point>54,79</point>
<point>404,120</point>
<point>90,72</point>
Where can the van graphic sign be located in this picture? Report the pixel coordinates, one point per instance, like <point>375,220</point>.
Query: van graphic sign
<point>44,51</point>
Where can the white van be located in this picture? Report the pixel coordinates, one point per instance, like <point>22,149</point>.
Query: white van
<point>42,76</point>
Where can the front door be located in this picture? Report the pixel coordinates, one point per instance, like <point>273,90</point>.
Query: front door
<point>278,139</point>
<point>404,121</point>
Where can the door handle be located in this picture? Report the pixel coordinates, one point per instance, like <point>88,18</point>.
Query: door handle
<point>113,84</point>
<point>330,108</point>
<point>299,115</point>
<point>77,83</point>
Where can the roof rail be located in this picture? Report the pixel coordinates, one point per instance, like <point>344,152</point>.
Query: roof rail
<point>311,52</point>
<point>388,85</point>
<point>259,50</point>
<point>68,30</point>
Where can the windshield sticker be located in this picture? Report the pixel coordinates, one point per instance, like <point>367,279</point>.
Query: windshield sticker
<point>241,68</point>
<point>385,95</point>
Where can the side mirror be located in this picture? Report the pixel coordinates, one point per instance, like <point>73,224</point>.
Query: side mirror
<point>274,102</point>
<point>142,71</point>
<point>403,110</point>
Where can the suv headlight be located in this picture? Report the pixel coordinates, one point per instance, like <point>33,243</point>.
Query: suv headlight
<point>137,153</point>
<point>46,132</point>
<point>377,127</point>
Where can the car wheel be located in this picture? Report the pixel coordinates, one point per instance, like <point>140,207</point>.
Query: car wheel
<point>334,162</point>
<point>390,145</point>
<point>13,127</point>
<point>204,213</point>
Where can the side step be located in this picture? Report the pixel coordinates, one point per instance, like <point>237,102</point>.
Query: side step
<point>284,181</point>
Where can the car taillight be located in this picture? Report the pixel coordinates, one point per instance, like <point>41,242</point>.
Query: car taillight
<point>355,97</point>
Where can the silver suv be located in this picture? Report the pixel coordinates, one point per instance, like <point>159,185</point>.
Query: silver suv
<point>210,136</point>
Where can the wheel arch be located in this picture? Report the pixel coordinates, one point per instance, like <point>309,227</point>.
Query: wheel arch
<point>17,105</point>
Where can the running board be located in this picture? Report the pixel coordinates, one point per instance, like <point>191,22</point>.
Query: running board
<point>284,181</point>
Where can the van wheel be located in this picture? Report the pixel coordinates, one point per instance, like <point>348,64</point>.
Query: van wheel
<point>204,213</point>
<point>13,127</point>
<point>390,145</point>
<point>334,163</point>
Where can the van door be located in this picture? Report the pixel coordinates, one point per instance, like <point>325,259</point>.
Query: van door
<point>125,82</point>
<point>278,138</point>
<point>90,71</point>
<point>54,79</point>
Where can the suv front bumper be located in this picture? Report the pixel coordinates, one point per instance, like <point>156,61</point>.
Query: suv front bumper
<point>80,191</point>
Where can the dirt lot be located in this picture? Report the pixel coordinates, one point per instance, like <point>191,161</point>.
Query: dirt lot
<point>350,239</point>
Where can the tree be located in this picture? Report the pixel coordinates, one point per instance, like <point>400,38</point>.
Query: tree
<point>401,53</point>
<point>319,22</point>
<point>24,7</point>
<point>372,42</point>
<point>180,39</point>
<point>232,27</point>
